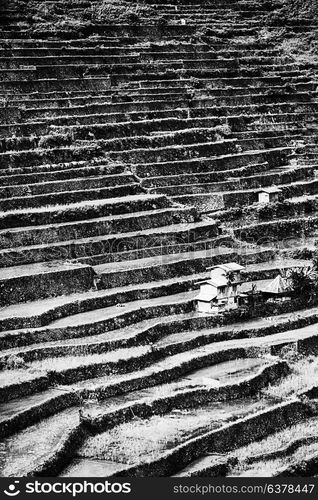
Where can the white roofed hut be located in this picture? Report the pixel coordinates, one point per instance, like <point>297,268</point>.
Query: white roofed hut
<point>269,194</point>
<point>278,288</point>
<point>220,293</point>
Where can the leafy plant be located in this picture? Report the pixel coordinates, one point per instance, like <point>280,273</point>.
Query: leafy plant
<point>14,362</point>
<point>120,11</point>
<point>303,283</point>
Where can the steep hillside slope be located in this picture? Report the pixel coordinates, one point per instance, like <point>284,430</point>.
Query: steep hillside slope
<point>133,147</point>
<point>306,8</point>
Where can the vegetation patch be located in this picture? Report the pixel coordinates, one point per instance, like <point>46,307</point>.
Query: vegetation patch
<point>304,371</point>
<point>302,48</point>
<point>141,440</point>
<point>119,11</point>
<point>53,16</point>
<point>278,452</point>
<point>278,441</point>
<point>305,8</point>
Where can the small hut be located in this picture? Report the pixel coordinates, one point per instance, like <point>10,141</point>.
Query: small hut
<point>221,291</point>
<point>277,289</point>
<point>269,195</point>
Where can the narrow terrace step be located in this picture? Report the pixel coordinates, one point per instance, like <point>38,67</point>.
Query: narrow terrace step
<point>212,465</point>
<point>22,283</point>
<point>158,132</point>
<point>260,109</point>
<point>134,42</point>
<point>188,136</point>
<point>114,107</point>
<point>94,83</point>
<point>153,269</point>
<point>82,210</point>
<point>74,184</point>
<point>183,439</point>
<point>70,99</point>
<point>110,93</point>
<point>36,158</point>
<point>200,98</point>
<point>115,247</point>
<point>249,99</point>
<point>190,184</point>
<point>196,116</point>
<point>15,62</point>
<point>43,85</point>
<point>100,331</point>
<point>89,100</point>
<point>152,49</point>
<point>165,139</point>
<point>73,433</point>
<point>281,229</point>
<point>260,81</point>
<point>69,197</point>
<point>225,107</point>
<point>228,77</point>
<point>274,156</point>
<point>206,202</point>
<point>174,152</point>
<point>284,457</point>
<point>39,374</point>
<point>208,66</point>
<point>40,313</point>
<point>103,126</point>
<point>139,128</point>
<point>135,90</point>
<point>274,121</point>
<point>117,117</point>
<point>42,445</point>
<point>70,335</point>
<point>159,371</point>
<point>59,171</point>
<point>214,176</point>
<point>35,235</point>
<point>223,376</point>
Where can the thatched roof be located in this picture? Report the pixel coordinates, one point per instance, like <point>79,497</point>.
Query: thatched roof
<point>276,287</point>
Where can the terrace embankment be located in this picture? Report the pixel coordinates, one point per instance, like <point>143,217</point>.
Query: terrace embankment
<point>134,140</point>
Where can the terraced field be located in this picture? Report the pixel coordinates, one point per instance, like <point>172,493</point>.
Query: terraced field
<point>131,157</point>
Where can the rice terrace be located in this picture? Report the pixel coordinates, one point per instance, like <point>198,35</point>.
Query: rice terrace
<point>158,238</point>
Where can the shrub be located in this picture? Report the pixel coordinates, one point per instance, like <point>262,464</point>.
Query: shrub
<point>303,283</point>
<point>14,362</point>
<point>120,11</point>
<point>306,8</point>
<point>223,130</point>
<point>300,48</point>
<point>54,141</point>
<point>302,254</point>
<point>52,16</point>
